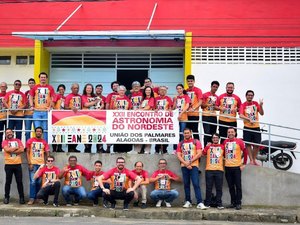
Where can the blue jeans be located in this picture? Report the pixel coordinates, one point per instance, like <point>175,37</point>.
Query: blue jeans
<point>193,175</point>
<point>41,120</point>
<point>78,192</point>
<point>35,185</point>
<point>95,194</point>
<point>16,125</point>
<point>28,126</point>
<point>167,195</point>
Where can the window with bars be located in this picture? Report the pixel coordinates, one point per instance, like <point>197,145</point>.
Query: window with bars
<point>239,55</point>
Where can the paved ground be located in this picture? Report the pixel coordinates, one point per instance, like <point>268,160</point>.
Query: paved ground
<point>252,214</point>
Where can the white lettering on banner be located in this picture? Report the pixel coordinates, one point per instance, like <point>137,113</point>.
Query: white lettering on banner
<point>113,126</point>
<point>142,127</point>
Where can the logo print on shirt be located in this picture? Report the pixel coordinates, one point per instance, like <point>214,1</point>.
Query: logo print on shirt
<point>36,148</point>
<point>136,101</point>
<point>119,181</point>
<point>162,104</point>
<point>15,101</point>
<point>230,150</point>
<point>214,155</point>
<point>42,95</point>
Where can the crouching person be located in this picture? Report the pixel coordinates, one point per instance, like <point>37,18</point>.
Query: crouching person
<point>119,188</point>
<point>162,180</point>
<point>96,192</point>
<point>50,181</point>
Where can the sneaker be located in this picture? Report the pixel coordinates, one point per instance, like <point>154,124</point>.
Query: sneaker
<point>202,206</point>
<point>143,206</point>
<point>187,204</point>
<point>158,204</point>
<point>31,202</point>
<point>76,203</point>
<point>238,207</point>
<point>168,204</point>
<point>55,204</point>
<point>231,206</point>
<point>45,203</point>
<point>68,204</point>
<point>105,204</point>
<point>113,206</point>
<point>125,207</point>
<point>220,207</point>
<point>133,152</point>
<point>6,201</point>
<point>22,201</point>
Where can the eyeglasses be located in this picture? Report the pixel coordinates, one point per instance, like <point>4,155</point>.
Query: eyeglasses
<point>162,163</point>
<point>50,160</point>
<point>17,84</point>
<point>121,162</point>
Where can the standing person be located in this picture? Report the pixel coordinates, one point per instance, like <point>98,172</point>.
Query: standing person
<point>110,101</point>
<point>189,152</point>
<point>50,181</point>
<point>16,101</point>
<point>162,179</point>
<point>142,188</point>
<point>162,102</point>
<point>59,104</point>
<point>209,112</point>
<point>37,153</point>
<point>13,149</point>
<point>249,113</point>
<point>100,105</point>
<point>41,96</point>
<point>228,104</point>
<point>96,192</point>
<point>195,95</point>
<point>214,170</point>
<point>73,102</point>
<point>119,189</point>
<point>89,102</point>
<point>122,102</point>
<point>148,83</point>
<point>73,173</point>
<point>234,148</point>
<point>148,103</point>
<point>3,113</point>
<point>182,103</point>
<point>28,112</point>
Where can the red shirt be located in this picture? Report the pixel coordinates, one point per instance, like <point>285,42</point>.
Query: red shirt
<point>163,183</point>
<point>210,101</point>
<point>119,179</point>
<point>16,100</point>
<point>93,178</point>
<point>136,99</point>
<point>37,149</point>
<point>102,101</point>
<point>233,152</point>
<point>48,174</point>
<point>2,107</point>
<point>180,102</point>
<point>163,103</point>
<point>28,112</point>
<point>195,95</point>
<point>73,101</point>
<point>122,103</point>
<point>143,174</point>
<point>59,102</point>
<point>42,96</point>
<point>88,99</point>
<point>110,99</point>
<point>250,110</point>
<point>12,158</point>
<point>227,103</point>
<point>215,157</point>
<point>148,102</point>
<point>73,177</point>
<point>189,149</point>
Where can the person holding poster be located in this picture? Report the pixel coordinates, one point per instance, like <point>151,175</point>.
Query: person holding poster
<point>162,102</point>
<point>162,179</point>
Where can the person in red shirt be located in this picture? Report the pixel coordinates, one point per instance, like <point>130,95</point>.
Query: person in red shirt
<point>148,83</point>
<point>50,181</point>
<point>214,170</point>
<point>249,113</point>
<point>142,188</point>
<point>41,101</point>
<point>195,95</point>
<point>28,113</point>
<point>100,105</point>
<point>162,102</point>
<point>13,149</point>
<point>73,102</point>
<point>234,148</point>
<point>37,153</point>
<point>189,152</point>
<point>119,188</point>
<point>228,104</point>
<point>209,112</point>
<point>3,114</point>
<point>110,99</point>
<point>59,104</point>
<point>96,191</point>
<point>16,101</point>
<point>73,174</point>
<point>162,179</point>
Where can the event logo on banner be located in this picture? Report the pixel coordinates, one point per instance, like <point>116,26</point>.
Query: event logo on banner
<point>113,126</point>
<point>84,126</point>
<point>142,127</point>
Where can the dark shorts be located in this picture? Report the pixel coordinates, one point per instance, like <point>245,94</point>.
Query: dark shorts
<point>250,136</point>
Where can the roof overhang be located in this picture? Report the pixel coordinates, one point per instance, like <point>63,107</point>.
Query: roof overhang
<point>104,35</point>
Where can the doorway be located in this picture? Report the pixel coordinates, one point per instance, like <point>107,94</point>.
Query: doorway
<point>126,77</point>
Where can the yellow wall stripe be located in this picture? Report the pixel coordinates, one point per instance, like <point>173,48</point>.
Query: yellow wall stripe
<point>187,56</point>
<point>41,59</point>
